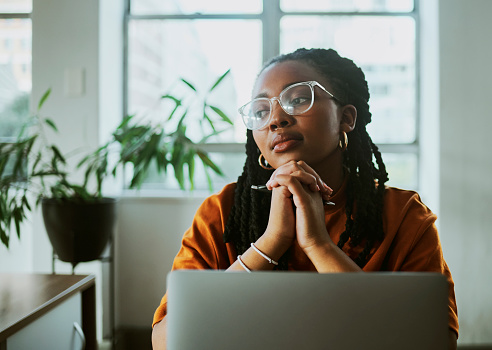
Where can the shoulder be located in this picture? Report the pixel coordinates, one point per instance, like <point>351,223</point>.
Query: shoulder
<point>397,199</point>
<point>225,197</point>
<point>405,208</point>
<point>218,203</point>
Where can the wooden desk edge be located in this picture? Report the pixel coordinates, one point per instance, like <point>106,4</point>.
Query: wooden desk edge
<point>81,286</point>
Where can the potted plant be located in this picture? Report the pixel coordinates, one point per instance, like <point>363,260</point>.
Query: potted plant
<point>78,218</point>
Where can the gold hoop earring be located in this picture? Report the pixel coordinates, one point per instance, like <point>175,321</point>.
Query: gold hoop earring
<point>265,166</point>
<point>343,146</point>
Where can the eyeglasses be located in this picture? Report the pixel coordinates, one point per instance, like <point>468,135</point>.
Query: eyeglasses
<point>295,99</point>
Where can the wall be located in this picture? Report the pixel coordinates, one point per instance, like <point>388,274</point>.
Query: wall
<point>77,52</point>
<point>466,161</point>
<point>149,236</point>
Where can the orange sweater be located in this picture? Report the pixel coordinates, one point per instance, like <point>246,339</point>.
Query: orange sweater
<point>411,241</point>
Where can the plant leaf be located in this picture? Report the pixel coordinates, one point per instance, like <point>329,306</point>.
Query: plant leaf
<point>4,158</point>
<point>181,120</point>
<point>209,179</point>
<point>190,160</point>
<point>125,121</point>
<point>221,114</point>
<point>51,123</point>
<point>189,84</point>
<point>207,118</point>
<point>177,163</point>
<point>4,237</point>
<point>207,162</point>
<point>58,154</point>
<point>43,99</point>
<point>220,79</point>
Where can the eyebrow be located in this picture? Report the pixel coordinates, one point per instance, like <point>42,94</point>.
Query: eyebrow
<point>264,94</point>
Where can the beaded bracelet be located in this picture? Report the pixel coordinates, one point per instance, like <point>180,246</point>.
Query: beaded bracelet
<point>243,264</point>
<point>270,260</point>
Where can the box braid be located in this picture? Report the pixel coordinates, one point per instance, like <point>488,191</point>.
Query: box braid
<point>365,187</point>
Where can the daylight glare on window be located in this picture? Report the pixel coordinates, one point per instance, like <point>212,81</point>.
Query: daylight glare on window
<point>384,47</point>
<point>200,40</point>
<point>15,66</point>
<point>195,6</point>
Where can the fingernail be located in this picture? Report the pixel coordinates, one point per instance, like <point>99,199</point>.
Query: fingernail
<point>328,188</point>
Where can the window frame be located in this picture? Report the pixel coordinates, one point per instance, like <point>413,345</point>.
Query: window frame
<point>271,17</point>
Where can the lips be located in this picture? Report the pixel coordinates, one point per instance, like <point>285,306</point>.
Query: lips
<point>285,141</point>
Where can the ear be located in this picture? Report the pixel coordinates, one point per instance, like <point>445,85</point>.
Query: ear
<point>348,119</point>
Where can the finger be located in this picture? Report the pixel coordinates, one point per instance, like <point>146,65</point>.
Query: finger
<point>297,189</point>
<point>325,189</point>
<point>304,178</point>
<point>286,169</point>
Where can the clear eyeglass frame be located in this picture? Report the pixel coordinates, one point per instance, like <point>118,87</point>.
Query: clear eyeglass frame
<point>253,122</point>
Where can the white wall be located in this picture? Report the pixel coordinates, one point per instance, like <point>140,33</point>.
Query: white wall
<point>85,37</point>
<point>466,160</point>
<point>149,236</point>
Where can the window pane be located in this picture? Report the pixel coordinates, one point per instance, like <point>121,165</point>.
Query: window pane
<point>347,5</point>
<point>384,47</point>
<point>402,169</point>
<point>15,74</point>
<point>15,6</point>
<point>230,163</point>
<point>195,6</point>
<point>203,51</point>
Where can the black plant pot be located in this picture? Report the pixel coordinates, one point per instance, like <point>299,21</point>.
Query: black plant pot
<point>79,231</point>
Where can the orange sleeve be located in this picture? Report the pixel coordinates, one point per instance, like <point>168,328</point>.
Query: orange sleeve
<point>202,246</point>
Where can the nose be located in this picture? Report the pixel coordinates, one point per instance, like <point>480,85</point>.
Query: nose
<point>279,118</point>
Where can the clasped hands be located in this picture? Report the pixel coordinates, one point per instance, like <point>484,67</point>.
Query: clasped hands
<point>297,210</point>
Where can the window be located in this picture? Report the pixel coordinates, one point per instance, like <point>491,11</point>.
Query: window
<point>199,40</point>
<point>15,67</point>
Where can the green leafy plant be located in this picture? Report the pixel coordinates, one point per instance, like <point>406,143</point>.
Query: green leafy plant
<point>32,168</point>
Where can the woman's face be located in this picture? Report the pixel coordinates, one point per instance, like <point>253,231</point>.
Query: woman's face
<point>313,136</point>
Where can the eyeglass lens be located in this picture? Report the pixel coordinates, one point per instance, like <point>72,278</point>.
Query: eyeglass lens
<point>294,100</point>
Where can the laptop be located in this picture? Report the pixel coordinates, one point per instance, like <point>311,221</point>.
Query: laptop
<point>210,309</point>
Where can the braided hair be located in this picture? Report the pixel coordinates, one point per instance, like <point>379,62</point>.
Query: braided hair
<point>365,187</point>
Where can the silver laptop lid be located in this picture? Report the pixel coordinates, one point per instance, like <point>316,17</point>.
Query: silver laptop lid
<point>303,310</point>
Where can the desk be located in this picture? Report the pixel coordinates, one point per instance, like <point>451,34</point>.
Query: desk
<point>28,301</point>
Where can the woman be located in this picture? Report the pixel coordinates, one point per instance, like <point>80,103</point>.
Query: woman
<point>325,207</point>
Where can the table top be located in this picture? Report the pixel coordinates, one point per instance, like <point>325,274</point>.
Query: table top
<point>25,297</point>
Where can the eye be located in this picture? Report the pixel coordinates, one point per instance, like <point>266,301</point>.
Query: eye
<point>261,113</point>
<point>297,96</point>
<point>260,109</point>
<point>299,100</point>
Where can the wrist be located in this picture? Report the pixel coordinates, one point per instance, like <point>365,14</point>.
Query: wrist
<point>328,258</point>
<point>273,245</point>
<point>319,248</point>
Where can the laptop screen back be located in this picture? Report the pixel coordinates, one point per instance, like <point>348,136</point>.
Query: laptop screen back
<point>304,310</point>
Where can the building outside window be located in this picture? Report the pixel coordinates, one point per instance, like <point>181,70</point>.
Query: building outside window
<point>15,64</point>
<point>15,67</point>
<point>199,40</point>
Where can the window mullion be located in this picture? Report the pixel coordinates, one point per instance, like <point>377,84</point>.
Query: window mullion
<point>271,28</point>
